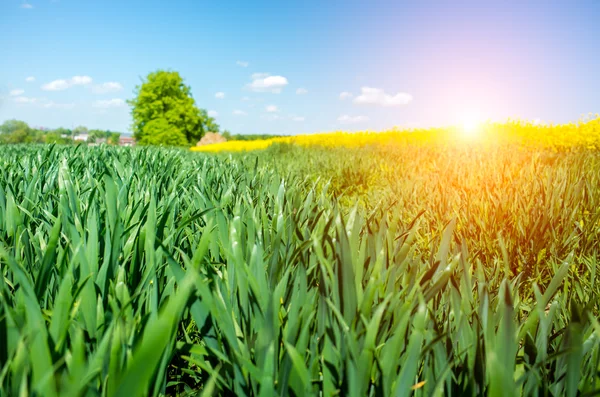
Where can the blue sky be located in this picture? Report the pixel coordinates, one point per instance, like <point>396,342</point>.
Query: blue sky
<point>283,66</point>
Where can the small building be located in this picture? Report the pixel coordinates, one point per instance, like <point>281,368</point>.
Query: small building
<point>81,138</point>
<point>126,141</point>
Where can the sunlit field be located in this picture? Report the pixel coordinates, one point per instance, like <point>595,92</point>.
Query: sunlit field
<point>585,133</point>
<point>456,261</point>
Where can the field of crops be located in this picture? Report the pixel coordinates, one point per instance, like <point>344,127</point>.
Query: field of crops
<point>585,133</point>
<point>407,264</point>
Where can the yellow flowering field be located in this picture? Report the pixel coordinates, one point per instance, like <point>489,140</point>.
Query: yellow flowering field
<point>585,133</point>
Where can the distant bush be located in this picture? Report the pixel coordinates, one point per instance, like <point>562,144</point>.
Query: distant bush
<point>253,137</point>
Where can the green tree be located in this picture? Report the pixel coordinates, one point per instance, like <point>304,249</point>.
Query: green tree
<point>95,135</point>
<point>114,138</point>
<point>226,134</point>
<point>18,136</point>
<point>16,131</point>
<point>161,132</point>
<point>63,131</point>
<point>56,137</point>
<point>210,125</point>
<point>10,126</point>
<point>164,100</point>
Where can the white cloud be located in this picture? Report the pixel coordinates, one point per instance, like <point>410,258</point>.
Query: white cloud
<point>298,118</point>
<point>301,91</point>
<point>346,119</point>
<point>346,95</point>
<point>213,113</point>
<point>52,105</point>
<point>263,82</point>
<point>220,95</point>
<point>80,80</point>
<point>24,99</point>
<point>61,85</point>
<point>56,85</point>
<point>243,64</point>
<point>239,113</point>
<point>109,103</point>
<point>376,96</point>
<point>245,99</point>
<point>104,88</point>
<point>27,6</point>
<point>271,109</point>
<point>30,79</point>
<point>16,92</point>
<point>43,102</point>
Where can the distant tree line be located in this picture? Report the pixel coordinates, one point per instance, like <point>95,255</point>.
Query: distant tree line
<point>17,131</point>
<point>251,137</point>
<point>163,111</point>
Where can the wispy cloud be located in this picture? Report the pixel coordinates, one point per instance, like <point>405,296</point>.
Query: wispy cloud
<point>346,95</point>
<point>42,102</point>
<point>80,80</point>
<point>27,6</point>
<point>239,113</point>
<point>61,85</point>
<point>220,95</point>
<point>243,64</point>
<point>16,92</point>
<point>301,91</point>
<point>213,113</point>
<point>263,82</point>
<point>56,85</point>
<point>109,103</point>
<point>376,96</point>
<point>24,100</point>
<point>271,109</point>
<point>30,79</point>
<point>346,119</point>
<point>298,118</point>
<point>109,87</point>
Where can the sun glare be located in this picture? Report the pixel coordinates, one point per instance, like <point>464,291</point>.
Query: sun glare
<point>470,125</point>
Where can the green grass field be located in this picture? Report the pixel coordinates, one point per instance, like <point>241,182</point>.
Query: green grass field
<point>378,271</point>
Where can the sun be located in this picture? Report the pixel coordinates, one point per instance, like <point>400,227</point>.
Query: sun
<point>471,125</point>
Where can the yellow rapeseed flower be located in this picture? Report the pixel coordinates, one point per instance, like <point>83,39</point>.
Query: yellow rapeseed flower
<point>555,137</point>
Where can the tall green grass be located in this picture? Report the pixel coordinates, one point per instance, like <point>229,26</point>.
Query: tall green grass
<point>440,271</point>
